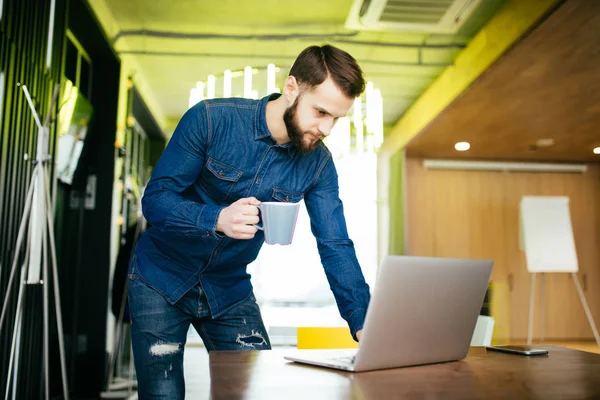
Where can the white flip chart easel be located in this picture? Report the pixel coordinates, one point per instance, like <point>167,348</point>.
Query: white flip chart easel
<point>546,236</point>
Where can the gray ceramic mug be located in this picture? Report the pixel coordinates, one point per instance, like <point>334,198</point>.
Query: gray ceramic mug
<point>278,221</point>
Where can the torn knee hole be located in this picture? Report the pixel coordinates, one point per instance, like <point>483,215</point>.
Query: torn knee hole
<point>253,340</point>
<point>165,349</point>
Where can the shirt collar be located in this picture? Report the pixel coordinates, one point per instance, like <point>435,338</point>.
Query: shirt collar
<point>292,150</point>
<point>261,129</point>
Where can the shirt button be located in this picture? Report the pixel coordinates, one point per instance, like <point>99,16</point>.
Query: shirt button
<point>287,198</point>
<point>207,233</point>
<point>257,180</point>
<point>220,173</point>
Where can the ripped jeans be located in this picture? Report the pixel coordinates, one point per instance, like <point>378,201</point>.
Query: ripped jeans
<point>159,331</point>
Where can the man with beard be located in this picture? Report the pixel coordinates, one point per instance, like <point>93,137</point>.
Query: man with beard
<point>224,158</point>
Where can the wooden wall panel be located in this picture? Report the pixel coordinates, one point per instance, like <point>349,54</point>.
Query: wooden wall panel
<point>475,214</point>
<point>545,87</point>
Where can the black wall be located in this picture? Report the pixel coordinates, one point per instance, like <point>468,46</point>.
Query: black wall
<point>23,46</point>
<point>83,235</point>
<point>86,247</point>
<point>157,139</point>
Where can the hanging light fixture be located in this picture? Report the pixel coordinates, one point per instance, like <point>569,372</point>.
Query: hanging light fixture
<point>227,78</point>
<point>271,75</point>
<point>364,122</point>
<point>358,124</point>
<point>210,87</point>
<point>248,82</point>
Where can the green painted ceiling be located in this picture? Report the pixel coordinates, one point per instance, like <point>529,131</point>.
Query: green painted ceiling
<point>177,43</point>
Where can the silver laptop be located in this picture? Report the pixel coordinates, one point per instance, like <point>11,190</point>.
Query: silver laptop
<point>423,311</point>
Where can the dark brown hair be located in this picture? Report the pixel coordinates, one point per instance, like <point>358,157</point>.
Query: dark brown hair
<point>316,63</point>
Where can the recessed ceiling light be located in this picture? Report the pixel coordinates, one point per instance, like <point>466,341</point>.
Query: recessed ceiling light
<point>545,142</point>
<point>462,146</point>
<point>597,150</point>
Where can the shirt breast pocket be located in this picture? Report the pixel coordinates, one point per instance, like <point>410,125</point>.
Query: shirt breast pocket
<point>286,196</point>
<point>217,178</point>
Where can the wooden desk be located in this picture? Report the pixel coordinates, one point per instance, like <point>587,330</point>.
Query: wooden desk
<point>562,374</point>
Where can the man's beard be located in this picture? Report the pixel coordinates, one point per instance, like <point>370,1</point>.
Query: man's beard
<point>295,133</point>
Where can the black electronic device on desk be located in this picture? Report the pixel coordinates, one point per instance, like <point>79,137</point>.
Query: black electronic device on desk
<point>520,350</point>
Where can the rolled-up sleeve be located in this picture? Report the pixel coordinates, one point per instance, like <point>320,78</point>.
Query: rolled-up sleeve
<point>163,204</point>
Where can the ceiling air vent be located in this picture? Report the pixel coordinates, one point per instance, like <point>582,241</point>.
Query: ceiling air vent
<point>433,16</point>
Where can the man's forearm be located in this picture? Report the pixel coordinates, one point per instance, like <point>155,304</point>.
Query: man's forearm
<point>169,211</point>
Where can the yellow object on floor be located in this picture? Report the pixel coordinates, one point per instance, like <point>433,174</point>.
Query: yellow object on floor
<point>325,338</point>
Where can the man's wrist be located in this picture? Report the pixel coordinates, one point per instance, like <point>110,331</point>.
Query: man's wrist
<point>356,321</point>
<point>207,221</point>
<point>218,227</point>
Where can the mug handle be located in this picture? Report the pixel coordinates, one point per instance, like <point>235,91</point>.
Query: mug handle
<point>256,225</point>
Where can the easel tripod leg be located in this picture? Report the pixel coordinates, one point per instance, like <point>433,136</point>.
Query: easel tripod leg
<point>18,317</point>
<point>20,237</point>
<point>18,313</point>
<point>531,307</point>
<point>42,204</point>
<point>585,307</point>
<point>542,305</point>
<point>59,322</point>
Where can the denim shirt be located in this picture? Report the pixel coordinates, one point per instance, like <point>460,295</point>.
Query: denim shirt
<point>222,151</point>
